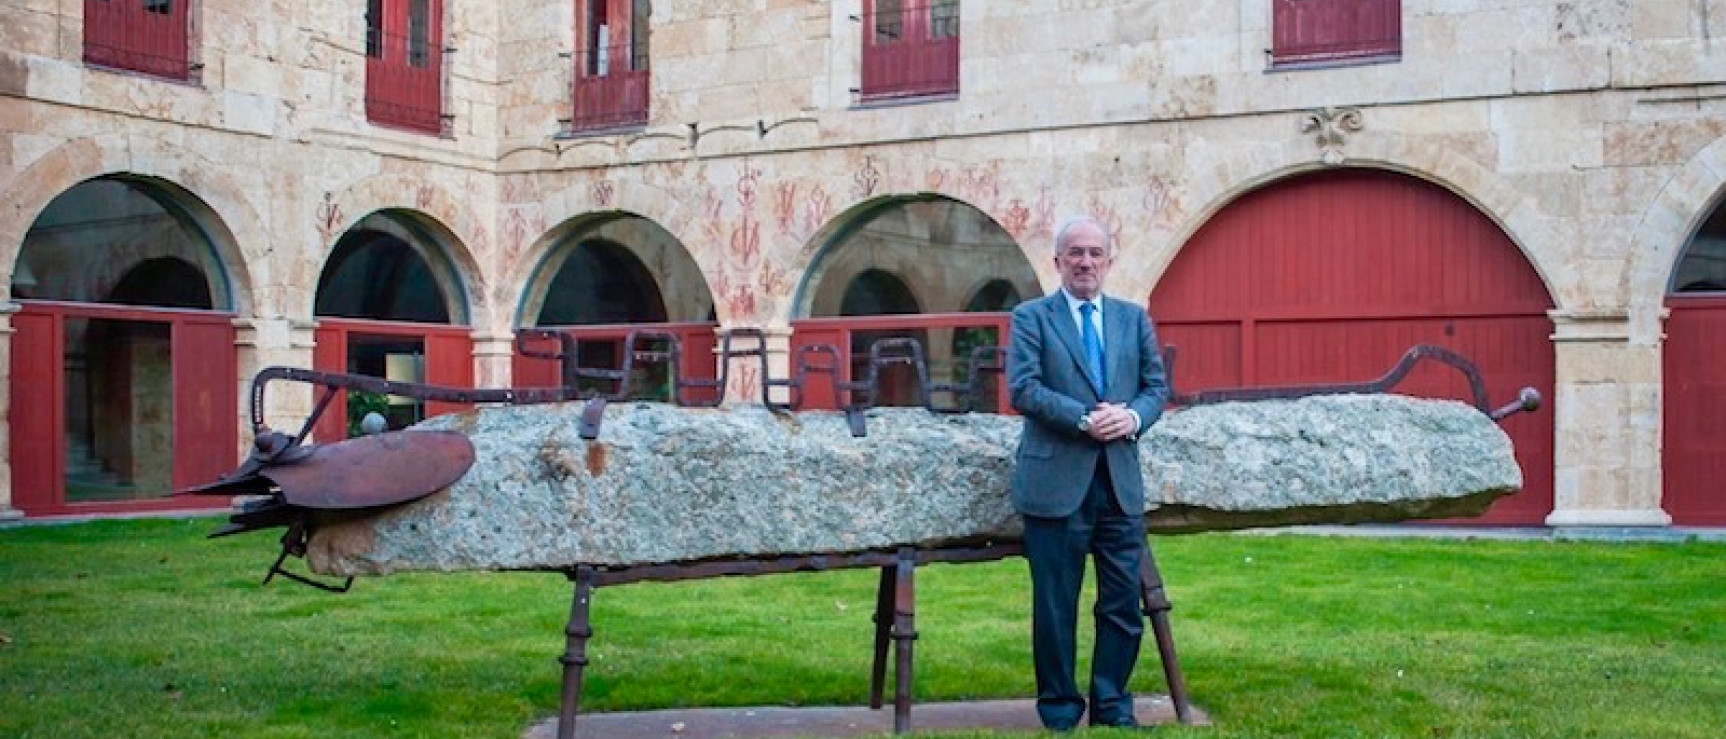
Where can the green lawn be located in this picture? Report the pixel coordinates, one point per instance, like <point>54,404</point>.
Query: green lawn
<point>145,629</point>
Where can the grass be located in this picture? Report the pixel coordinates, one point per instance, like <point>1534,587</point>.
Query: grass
<point>145,629</point>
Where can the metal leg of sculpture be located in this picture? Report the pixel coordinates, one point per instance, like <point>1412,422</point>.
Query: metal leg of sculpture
<point>883,622</point>
<point>575,651</point>
<point>1157,610</point>
<point>904,633</point>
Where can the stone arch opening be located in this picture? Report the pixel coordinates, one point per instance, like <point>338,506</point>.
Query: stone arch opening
<point>924,257</point>
<point>604,276</point>
<point>123,361</point>
<point>1330,276</point>
<point>391,302</point>
<point>1694,398</point>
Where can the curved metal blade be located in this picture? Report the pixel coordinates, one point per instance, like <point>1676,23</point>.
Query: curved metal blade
<point>369,471</point>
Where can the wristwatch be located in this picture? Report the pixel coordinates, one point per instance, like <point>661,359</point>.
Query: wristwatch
<point>1085,423</point>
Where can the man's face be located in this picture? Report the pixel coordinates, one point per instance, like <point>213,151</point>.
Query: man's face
<point>1084,261</point>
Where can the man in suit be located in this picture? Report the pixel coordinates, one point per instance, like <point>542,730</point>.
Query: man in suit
<point>1087,374</point>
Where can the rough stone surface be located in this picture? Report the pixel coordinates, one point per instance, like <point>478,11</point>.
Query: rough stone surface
<point>666,484</point>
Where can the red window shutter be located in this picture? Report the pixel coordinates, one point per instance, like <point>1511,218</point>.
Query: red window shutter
<point>1305,31</point>
<point>330,354</point>
<point>149,37</point>
<point>36,418</point>
<point>206,405</point>
<point>611,83</point>
<point>907,51</point>
<point>404,79</point>
<point>449,363</point>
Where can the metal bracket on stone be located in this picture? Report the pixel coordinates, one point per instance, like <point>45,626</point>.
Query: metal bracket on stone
<point>1527,399</point>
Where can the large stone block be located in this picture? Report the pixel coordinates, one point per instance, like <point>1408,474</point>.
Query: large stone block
<point>665,484</point>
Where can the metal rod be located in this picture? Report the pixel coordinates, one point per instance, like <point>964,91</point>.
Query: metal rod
<point>904,633</point>
<point>883,621</point>
<point>1156,604</point>
<point>574,656</point>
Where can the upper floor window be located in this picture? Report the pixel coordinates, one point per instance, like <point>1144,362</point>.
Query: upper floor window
<point>611,62</point>
<point>1307,32</point>
<point>148,36</point>
<point>404,64</point>
<point>910,48</point>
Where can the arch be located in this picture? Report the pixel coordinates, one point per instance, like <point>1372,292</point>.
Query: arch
<point>639,254</point>
<point>1679,211</point>
<point>1246,169</point>
<point>936,245</point>
<point>97,234</point>
<point>1691,265</point>
<point>587,208</point>
<point>212,200</point>
<point>165,281</point>
<point>601,282</point>
<point>429,211</point>
<point>1285,287</point>
<point>875,292</point>
<point>381,268</point>
<point>995,295</point>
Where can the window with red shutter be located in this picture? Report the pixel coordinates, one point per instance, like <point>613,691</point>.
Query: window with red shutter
<point>611,64</point>
<point>148,36</point>
<point>1317,32</point>
<point>404,64</point>
<point>910,49</point>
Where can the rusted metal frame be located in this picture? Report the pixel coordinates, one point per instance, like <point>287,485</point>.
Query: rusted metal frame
<point>896,595</point>
<point>333,381</point>
<point>294,543</point>
<point>904,635</point>
<point>883,627</point>
<point>1156,606</point>
<point>1527,399</point>
<point>574,657</point>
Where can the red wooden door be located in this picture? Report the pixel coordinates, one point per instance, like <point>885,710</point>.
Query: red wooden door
<point>1694,434</point>
<point>448,353</point>
<point>1330,277</point>
<point>201,443</point>
<point>330,354</point>
<point>37,426</point>
<point>206,401</point>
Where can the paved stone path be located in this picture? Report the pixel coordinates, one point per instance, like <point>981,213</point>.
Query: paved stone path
<point>825,722</point>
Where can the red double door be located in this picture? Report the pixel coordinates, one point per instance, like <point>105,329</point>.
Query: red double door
<point>432,354</point>
<point>1331,277</point>
<point>114,408</point>
<point>1693,463</point>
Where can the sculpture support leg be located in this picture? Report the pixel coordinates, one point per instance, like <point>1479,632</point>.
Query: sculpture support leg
<point>1157,610</point>
<point>904,633</point>
<point>884,607</point>
<point>575,652</point>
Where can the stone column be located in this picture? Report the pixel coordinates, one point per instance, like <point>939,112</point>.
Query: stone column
<point>7,511</point>
<point>273,342</point>
<point>493,358</point>
<point>1606,422</point>
<point>743,376</point>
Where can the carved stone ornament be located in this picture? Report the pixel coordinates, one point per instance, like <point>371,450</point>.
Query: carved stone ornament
<point>1332,125</point>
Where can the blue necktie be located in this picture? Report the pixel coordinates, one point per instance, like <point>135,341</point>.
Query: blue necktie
<point>1093,344</point>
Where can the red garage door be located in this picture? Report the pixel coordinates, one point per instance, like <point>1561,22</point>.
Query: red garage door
<point>1330,277</point>
<point>1695,417</point>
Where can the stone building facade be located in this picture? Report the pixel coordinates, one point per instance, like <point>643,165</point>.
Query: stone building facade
<point>759,173</point>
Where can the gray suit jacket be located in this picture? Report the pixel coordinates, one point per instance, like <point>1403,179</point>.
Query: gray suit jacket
<point>1049,385</point>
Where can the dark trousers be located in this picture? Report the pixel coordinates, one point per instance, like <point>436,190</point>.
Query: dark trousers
<point>1056,549</point>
